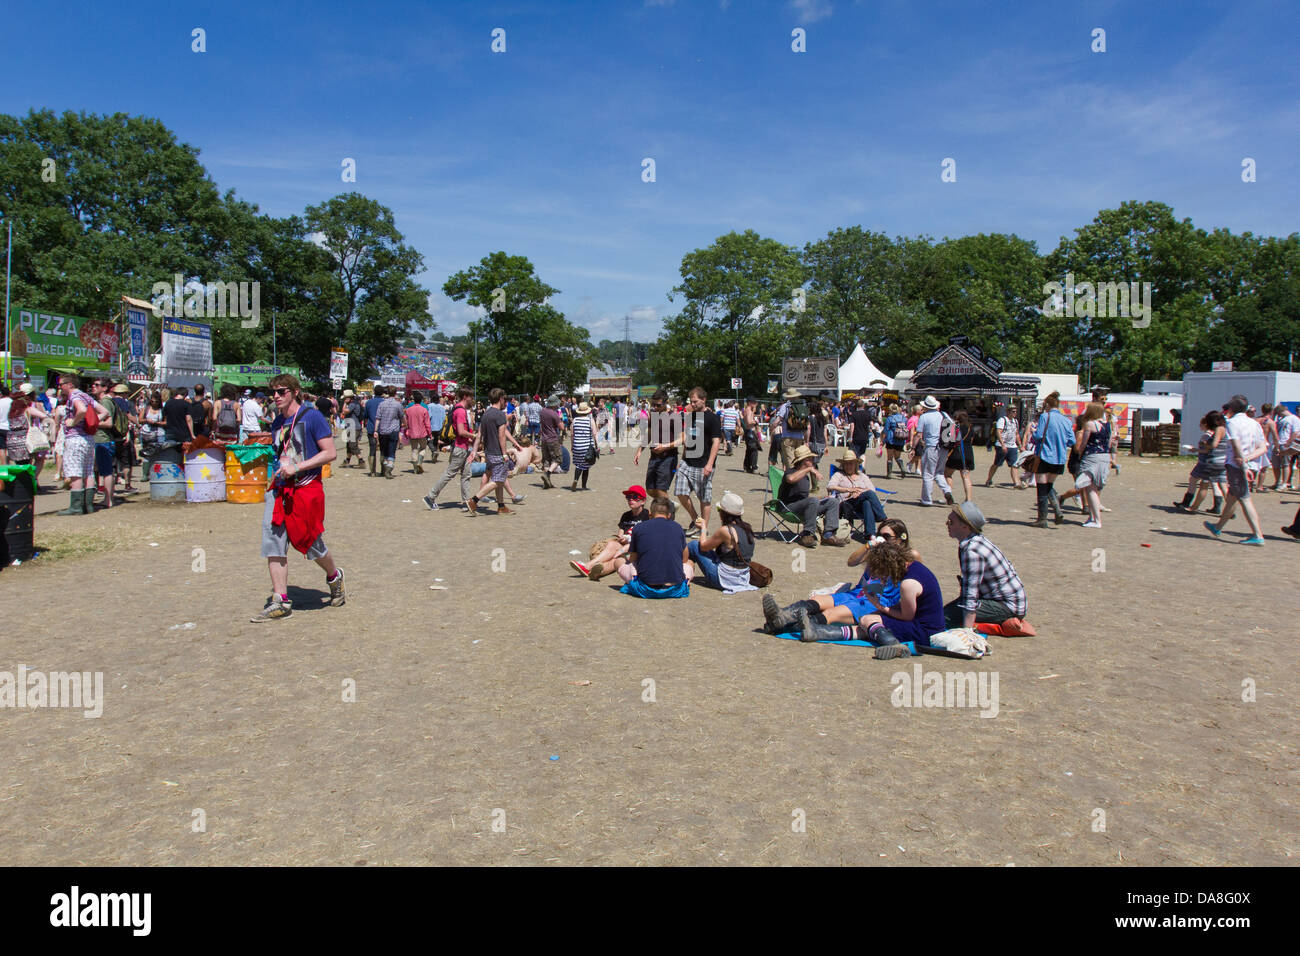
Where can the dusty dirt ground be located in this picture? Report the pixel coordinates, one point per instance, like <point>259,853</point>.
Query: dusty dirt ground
<point>1129,701</point>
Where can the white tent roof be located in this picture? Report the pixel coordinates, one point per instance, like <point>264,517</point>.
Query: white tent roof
<point>858,373</point>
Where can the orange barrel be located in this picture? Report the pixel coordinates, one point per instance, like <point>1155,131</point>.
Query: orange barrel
<point>205,475</point>
<point>245,484</point>
<point>325,471</point>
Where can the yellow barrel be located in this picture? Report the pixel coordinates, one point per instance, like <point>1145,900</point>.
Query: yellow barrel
<point>245,484</point>
<point>325,471</point>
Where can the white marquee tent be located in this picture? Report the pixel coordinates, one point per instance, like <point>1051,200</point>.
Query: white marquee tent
<point>857,373</point>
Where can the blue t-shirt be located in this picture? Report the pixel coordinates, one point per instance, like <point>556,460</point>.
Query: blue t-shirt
<point>372,407</point>
<point>929,608</point>
<point>658,544</point>
<point>311,427</point>
<point>437,416</point>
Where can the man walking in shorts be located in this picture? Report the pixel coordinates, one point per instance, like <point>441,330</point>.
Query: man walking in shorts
<point>700,439</point>
<point>494,433</point>
<point>551,434</point>
<point>295,512</point>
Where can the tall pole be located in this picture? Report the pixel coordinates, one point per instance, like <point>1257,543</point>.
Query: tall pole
<point>274,363</point>
<point>9,261</point>
<point>476,361</point>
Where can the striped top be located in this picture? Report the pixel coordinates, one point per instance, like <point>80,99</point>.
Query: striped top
<point>582,441</point>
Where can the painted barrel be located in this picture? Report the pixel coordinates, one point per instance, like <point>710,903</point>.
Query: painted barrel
<point>205,475</point>
<point>166,477</point>
<point>245,484</point>
<point>325,471</point>
<point>17,509</point>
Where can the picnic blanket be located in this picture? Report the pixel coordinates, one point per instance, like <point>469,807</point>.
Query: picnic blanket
<point>794,636</point>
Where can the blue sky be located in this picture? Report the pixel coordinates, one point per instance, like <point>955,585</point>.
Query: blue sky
<point>538,150</point>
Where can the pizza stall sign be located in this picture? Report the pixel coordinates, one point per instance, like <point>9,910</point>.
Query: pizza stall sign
<point>45,338</point>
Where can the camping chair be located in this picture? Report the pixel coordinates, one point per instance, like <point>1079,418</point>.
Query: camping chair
<point>788,525</point>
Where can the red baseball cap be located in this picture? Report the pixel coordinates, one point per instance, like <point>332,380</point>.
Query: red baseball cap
<point>636,491</point>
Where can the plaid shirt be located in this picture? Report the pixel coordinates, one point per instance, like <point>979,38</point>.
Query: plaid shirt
<point>987,575</point>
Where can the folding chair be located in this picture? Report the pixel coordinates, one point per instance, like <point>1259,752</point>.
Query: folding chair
<point>788,525</point>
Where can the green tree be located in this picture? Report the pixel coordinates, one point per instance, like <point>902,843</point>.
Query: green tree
<point>1139,242</point>
<point>523,344</point>
<point>738,297</point>
<point>362,292</point>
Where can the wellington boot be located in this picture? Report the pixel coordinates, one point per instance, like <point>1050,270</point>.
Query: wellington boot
<point>1055,502</point>
<point>76,504</point>
<point>1042,514</point>
<point>388,471</point>
<point>372,466</point>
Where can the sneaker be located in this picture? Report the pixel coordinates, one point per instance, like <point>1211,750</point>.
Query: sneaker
<point>597,572</point>
<point>472,505</point>
<point>336,598</point>
<point>430,503</point>
<point>1091,524</point>
<point>580,568</point>
<point>1258,541</point>
<point>275,610</point>
<point>1211,527</point>
<point>1292,532</point>
<point>1104,510</point>
<point>692,532</point>
<point>517,498</point>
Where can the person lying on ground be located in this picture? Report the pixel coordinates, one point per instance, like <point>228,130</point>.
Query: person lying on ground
<point>917,615</point>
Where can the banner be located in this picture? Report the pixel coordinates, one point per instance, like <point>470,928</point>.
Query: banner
<point>186,345</point>
<point>812,374</point>
<point>394,377</point>
<point>137,362</point>
<point>1121,410</point>
<point>251,375</point>
<point>49,340</point>
<point>339,363</point>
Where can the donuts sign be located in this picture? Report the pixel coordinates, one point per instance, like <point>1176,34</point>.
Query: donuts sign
<point>48,338</point>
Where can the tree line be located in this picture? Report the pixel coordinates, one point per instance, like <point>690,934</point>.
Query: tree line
<point>109,205</point>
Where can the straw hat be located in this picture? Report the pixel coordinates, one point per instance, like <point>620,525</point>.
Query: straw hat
<point>121,389</point>
<point>732,504</point>
<point>847,456</point>
<point>348,393</point>
<point>27,388</point>
<point>584,408</point>
<point>792,393</point>
<point>802,453</point>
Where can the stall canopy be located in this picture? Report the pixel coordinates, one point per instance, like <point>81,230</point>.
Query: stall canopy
<point>960,368</point>
<point>857,374</point>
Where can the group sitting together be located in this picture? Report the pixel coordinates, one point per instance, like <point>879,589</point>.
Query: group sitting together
<point>898,599</point>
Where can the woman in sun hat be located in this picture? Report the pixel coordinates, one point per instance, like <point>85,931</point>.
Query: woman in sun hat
<point>724,555</point>
<point>858,498</point>
<point>583,447</point>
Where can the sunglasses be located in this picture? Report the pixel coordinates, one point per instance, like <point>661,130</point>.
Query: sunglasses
<point>281,391</point>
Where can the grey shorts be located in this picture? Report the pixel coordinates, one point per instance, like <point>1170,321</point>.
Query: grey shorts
<point>1097,468</point>
<point>275,538</point>
<point>1238,487</point>
<point>691,481</point>
<point>1008,455</point>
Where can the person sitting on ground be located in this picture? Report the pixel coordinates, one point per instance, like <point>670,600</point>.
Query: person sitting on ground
<point>795,494</point>
<point>917,615</point>
<point>528,456</point>
<point>856,494</point>
<point>610,554</point>
<point>658,564</point>
<point>724,555</point>
<point>846,606</point>
<point>991,591</point>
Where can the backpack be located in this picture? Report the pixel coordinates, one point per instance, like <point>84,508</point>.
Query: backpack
<point>227,419</point>
<point>796,419</point>
<point>118,426</point>
<point>900,430</point>
<point>448,433</point>
<point>949,432</point>
<point>91,421</point>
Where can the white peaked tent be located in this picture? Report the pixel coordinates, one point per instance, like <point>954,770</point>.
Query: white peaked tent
<point>857,373</point>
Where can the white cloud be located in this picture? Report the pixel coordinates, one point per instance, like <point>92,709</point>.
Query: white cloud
<point>810,11</point>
